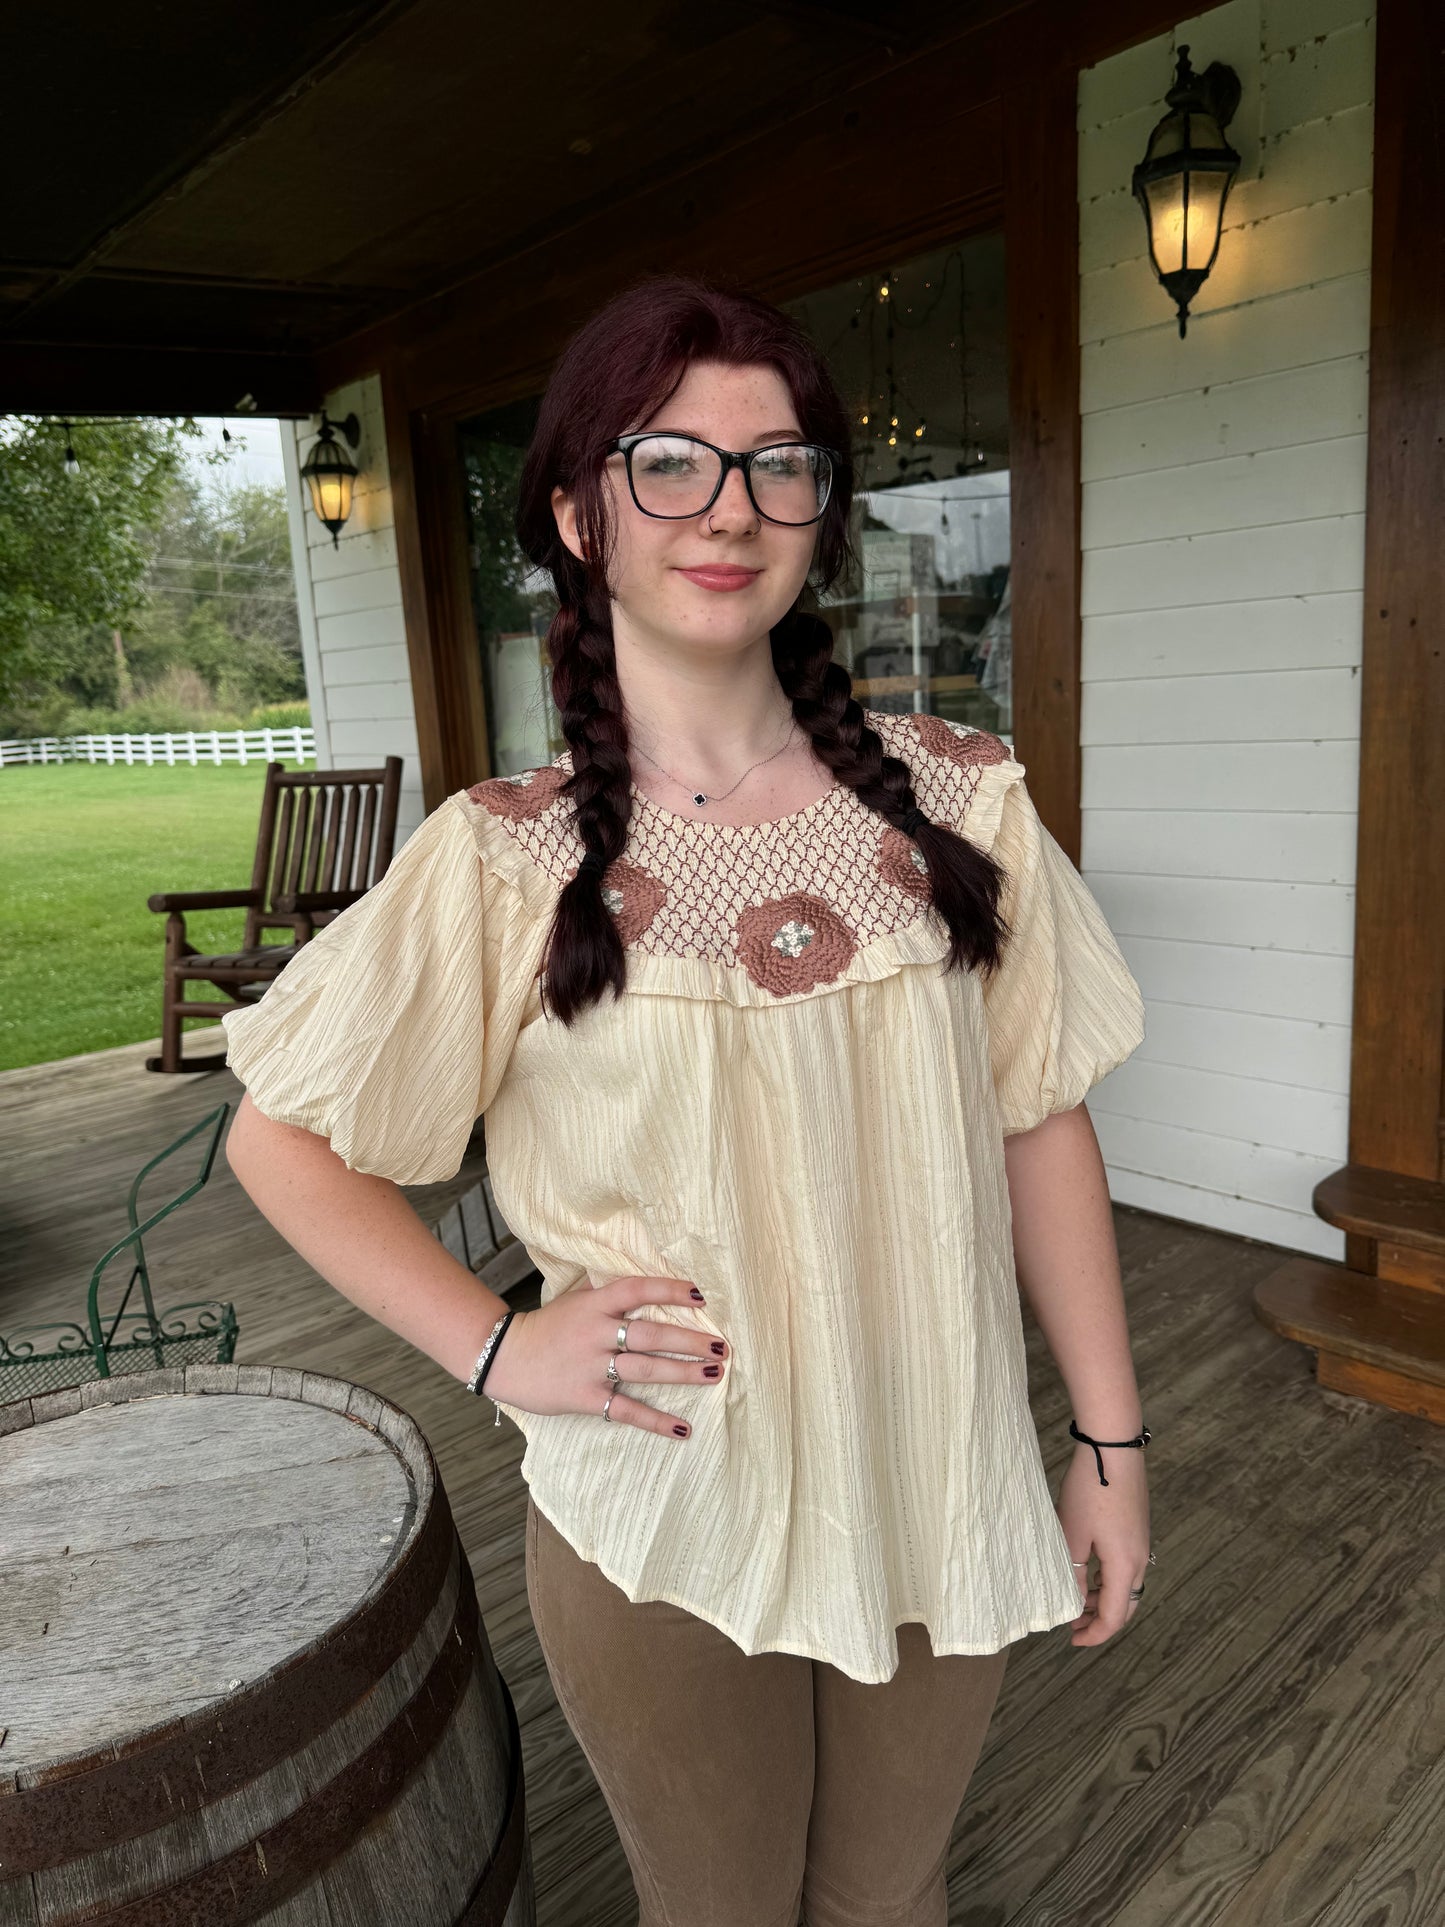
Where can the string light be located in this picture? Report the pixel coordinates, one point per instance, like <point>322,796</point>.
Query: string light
<point>72,460</point>
<point>884,388</point>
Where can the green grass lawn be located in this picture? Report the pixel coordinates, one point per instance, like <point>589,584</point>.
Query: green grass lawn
<point>81,848</point>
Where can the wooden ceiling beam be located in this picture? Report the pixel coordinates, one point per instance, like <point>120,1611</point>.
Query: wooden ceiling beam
<point>184,278</point>
<point>96,379</point>
<point>814,13</point>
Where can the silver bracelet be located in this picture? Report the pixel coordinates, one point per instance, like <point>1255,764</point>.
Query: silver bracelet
<point>482,1358</point>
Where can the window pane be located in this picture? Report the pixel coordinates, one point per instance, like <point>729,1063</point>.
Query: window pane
<point>513,601</point>
<point>920,354</point>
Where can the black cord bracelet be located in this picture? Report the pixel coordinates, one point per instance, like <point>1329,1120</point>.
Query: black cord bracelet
<point>1084,1439</point>
<point>482,1375</point>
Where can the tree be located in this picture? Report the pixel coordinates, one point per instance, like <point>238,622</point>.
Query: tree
<point>74,548</point>
<point>207,628</point>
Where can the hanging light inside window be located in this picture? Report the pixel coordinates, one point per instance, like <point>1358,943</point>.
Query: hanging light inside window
<point>72,465</point>
<point>330,474</point>
<point>1184,178</point>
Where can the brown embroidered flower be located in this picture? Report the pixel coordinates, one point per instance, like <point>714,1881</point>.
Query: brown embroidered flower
<point>633,895</point>
<point>902,863</point>
<point>793,943</point>
<point>966,747</point>
<point>521,796</point>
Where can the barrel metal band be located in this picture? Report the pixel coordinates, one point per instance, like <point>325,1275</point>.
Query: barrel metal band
<point>251,1881</point>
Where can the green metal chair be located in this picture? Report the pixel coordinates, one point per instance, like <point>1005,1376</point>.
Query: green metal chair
<point>44,1358</point>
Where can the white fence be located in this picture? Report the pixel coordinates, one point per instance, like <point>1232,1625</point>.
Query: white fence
<point>178,747</point>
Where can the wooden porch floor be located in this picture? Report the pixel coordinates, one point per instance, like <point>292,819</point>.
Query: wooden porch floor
<point>1263,1746</point>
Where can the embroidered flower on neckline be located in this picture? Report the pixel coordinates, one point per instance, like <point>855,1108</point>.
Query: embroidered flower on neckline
<point>633,895</point>
<point>958,744</point>
<point>793,943</point>
<point>903,864</point>
<point>521,796</point>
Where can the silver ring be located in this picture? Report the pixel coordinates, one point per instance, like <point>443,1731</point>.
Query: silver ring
<point>1078,1562</point>
<point>605,1413</point>
<point>1136,1593</point>
<point>622,1338</point>
<point>613,1376</point>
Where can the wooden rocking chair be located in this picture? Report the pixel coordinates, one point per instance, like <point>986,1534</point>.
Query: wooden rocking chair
<point>325,837</point>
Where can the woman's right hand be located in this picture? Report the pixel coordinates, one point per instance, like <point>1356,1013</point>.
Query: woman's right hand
<point>554,1359</point>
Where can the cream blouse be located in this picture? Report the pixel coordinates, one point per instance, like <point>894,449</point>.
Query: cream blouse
<point>793,1106</point>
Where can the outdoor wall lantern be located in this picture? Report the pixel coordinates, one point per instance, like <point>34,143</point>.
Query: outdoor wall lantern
<point>1184,178</point>
<point>330,474</point>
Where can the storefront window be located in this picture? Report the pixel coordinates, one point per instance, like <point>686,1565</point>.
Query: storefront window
<point>919,352</point>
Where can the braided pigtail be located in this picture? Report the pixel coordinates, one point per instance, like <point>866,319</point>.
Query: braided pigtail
<point>584,955</point>
<point>966,882</point>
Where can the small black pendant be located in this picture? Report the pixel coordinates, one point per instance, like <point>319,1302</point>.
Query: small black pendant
<point>698,798</point>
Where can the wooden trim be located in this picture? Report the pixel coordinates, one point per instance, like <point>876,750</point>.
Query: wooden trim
<point>441,637</point>
<point>466,753</point>
<point>1041,255</point>
<point>1397,1068</point>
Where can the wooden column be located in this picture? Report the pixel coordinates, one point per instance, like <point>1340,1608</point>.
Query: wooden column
<point>1041,242</point>
<point>1377,1322</point>
<point>441,632</point>
<point>1397,1070</point>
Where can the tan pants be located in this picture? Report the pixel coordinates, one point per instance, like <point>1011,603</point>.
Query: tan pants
<point>745,1786</point>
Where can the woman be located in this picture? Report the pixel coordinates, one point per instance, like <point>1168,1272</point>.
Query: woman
<point>781,1011</point>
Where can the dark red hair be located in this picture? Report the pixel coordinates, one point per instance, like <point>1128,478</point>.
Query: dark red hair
<point>613,376</point>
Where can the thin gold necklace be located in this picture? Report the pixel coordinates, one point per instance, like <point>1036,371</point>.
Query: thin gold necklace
<point>700,797</point>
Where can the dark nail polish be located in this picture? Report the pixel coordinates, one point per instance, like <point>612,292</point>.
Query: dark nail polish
<point>719,1347</point>
<point>681,1431</point>
<point>711,1371</point>
<point>698,1295</point>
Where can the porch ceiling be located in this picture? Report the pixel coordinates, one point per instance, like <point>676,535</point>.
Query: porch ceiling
<point>210,196</point>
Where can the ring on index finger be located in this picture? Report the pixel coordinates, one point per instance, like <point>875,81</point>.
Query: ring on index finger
<point>622,1337</point>
<point>614,1377</point>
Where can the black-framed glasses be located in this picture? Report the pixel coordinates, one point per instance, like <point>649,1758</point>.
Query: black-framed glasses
<point>675,477</point>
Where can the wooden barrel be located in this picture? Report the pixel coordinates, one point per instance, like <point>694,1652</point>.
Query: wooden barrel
<point>242,1671</point>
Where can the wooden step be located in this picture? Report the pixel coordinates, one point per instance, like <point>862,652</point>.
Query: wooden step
<point>1376,1339</point>
<point>1386,1205</point>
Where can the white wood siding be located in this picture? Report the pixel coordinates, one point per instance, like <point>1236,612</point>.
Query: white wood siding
<point>353,636</point>
<point>1223,537</point>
